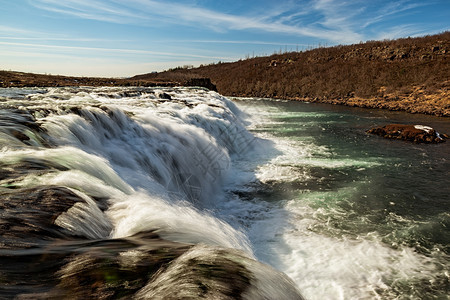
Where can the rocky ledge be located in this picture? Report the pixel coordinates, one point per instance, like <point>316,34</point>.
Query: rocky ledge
<point>413,133</point>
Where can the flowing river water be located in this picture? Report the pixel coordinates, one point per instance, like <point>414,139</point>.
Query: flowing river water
<point>168,193</point>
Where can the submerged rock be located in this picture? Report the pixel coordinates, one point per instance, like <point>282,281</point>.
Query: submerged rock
<point>413,133</point>
<point>163,95</point>
<point>34,216</point>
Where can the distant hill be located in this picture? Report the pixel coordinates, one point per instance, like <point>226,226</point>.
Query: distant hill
<point>21,79</point>
<point>410,74</point>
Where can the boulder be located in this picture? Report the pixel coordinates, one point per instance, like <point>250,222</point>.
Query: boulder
<point>413,133</point>
<point>164,96</point>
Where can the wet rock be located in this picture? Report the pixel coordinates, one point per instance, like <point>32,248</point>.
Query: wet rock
<point>164,96</point>
<point>20,135</point>
<point>88,269</point>
<point>413,133</point>
<point>207,272</point>
<point>28,215</point>
<point>115,269</point>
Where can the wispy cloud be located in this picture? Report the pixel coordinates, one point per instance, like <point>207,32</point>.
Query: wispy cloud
<point>400,31</point>
<point>110,50</point>
<point>14,31</point>
<point>243,42</point>
<point>272,22</point>
<point>93,9</point>
<point>355,17</point>
<point>50,38</point>
<point>393,8</point>
<point>178,13</point>
<point>335,21</point>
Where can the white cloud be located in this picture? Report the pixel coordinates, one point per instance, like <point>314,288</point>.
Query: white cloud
<point>92,9</point>
<point>243,42</point>
<point>94,50</point>
<point>269,23</point>
<point>391,9</point>
<point>50,38</point>
<point>13,31</point>
<point>335,21</point>
<point>137,11</point>
<point>399,31</point>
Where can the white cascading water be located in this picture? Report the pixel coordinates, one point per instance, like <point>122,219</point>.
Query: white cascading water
<point>161,165</point>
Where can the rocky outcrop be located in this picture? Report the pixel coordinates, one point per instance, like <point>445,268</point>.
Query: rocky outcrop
<point>417,101</point>
<point>201,82</point>
<point>413,133</point>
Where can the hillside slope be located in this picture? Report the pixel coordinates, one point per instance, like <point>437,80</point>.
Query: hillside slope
<point>411,74</point>
<point>20,79</point>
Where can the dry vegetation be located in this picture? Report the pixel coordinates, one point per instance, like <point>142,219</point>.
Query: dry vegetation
<point>409,74</point>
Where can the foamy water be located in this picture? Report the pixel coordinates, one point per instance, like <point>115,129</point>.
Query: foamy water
<point>307,233</point>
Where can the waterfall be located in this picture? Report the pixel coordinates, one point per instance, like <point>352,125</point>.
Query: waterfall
<point>109,178</point>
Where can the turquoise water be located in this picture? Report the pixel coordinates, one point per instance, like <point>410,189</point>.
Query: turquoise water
<point>362,216</point>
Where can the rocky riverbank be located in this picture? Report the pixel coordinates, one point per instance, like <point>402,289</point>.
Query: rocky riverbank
<point>419,101</point>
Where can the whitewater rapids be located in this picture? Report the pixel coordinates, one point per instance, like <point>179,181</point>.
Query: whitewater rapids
<point>124,183</point>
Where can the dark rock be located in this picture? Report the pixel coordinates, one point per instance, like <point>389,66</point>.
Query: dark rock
<point>413,133</point>
<point>28,215</point>
<point>201,82</point>
<point>19,135</point>
<point>164,96</point>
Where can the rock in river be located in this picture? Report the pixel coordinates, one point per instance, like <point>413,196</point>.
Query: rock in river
<point>413,133</point>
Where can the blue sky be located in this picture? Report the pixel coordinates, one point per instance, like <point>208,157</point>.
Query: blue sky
<point>128,37</point>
